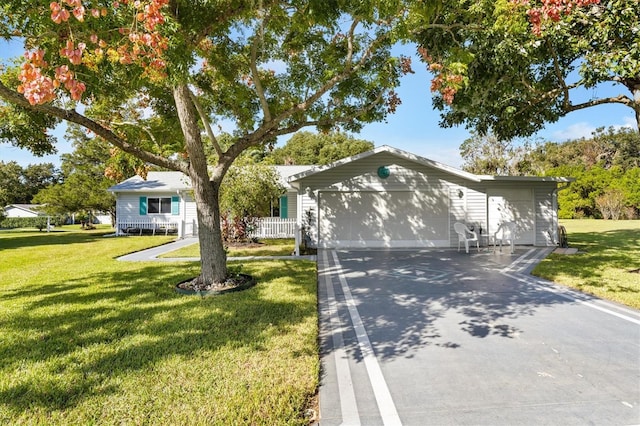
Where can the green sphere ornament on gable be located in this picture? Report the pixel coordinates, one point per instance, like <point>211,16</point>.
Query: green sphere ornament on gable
<point>383,172</point>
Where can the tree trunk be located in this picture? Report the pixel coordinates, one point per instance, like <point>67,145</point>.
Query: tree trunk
<point>212,255</point>
<point>635,89</point>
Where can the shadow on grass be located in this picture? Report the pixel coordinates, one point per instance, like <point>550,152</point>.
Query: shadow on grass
<point>618,249</point>
<point>107,324</point>
<point>15,240</point>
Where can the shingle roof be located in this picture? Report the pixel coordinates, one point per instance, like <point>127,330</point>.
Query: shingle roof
<point>32,208</point>
<point>424,161</point>
<point>155,182</point>
<point>177,181</point>
<point>286,172</point>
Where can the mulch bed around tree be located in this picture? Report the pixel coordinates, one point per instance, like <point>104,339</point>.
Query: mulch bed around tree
<point>235,282</point>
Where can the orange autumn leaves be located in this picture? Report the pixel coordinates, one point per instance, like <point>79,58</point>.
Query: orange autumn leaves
<point>141,43</point>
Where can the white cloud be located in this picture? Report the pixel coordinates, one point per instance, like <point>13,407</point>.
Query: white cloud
<point>629,122</point>
<point>584,130</point>
<point>575,131</point>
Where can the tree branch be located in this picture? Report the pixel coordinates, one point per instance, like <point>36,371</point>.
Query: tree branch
<point>620,99</point>
<point>144,129</point>
<point>558,72</point>
<point>325,122</point>
<point>348,71</point>
<point>74,117</point>
<point>256,80</point>
<point>205,122</point>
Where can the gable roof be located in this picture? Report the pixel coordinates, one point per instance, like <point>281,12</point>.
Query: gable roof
<point>425,162</point>
<point>285,172</point>
<point>29,208</point>
<point>178,181</point>
<point>155,182</point>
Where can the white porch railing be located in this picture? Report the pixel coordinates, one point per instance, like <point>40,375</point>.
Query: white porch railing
<point>274,227</point>
<point>140,227</point>
<point>265,227</point>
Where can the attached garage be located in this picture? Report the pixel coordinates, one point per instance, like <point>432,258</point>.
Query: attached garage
<point>383,219</point>
<point>391,198</point>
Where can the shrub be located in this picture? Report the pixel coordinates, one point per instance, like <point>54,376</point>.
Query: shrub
<point>611,204</point>
<point>39,222</point>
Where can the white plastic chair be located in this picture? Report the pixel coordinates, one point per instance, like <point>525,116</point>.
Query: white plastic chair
<point>507,231</point>
<point>465,235</point>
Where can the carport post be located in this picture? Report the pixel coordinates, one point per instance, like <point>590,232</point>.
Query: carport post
<point>297,238</point>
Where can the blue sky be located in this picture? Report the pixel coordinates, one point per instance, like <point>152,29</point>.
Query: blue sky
<point>414,126</point>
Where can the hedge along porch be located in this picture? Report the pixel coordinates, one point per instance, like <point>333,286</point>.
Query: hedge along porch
<point>387,197</point>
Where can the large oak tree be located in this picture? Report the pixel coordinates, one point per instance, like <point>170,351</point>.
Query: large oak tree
<point>268,67</point>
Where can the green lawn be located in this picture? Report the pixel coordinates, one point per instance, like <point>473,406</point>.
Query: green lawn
<point>608,252</point>
<point>275,247</point>
<point>86,339</point>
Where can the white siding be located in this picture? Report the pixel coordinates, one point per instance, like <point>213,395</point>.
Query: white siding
<point>190,216</point>
<point>428,187</point>
<point>309,215</point>
<point>15,212</point>
<point>546,221</point>
<point>128,210</point>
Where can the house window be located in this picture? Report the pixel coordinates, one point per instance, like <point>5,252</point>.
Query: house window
<point>159,205</point>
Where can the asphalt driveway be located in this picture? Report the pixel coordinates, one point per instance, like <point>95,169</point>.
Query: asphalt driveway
<point>441,337</point>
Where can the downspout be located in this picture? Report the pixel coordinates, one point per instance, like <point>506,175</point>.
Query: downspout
<point>183,214</point>
<point>556,221</point>
<point>298,228</point>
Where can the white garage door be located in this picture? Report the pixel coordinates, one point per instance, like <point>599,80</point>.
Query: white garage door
<point>384,219</point>
<point>513,205</point>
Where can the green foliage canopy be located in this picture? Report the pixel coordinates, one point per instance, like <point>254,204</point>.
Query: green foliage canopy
<point>83,187</point>
<point>319,148</point>
<point>510,80</point>
<point>608,161</point>
<point>19,185</point>
<point>249,189</point>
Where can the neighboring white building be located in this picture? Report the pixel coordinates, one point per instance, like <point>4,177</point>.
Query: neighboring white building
<point>23,210</point>
<point>385,197</point>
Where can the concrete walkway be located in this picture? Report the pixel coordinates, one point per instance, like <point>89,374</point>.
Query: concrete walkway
<point>151,255</point>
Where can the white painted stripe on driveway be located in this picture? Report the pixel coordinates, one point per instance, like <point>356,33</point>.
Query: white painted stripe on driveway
<point>348,406</point>
<point>569,295</point>
<point>381,392</point>
<point>514,265</point>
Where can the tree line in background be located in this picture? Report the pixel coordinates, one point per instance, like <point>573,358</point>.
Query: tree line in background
<point>606,167</point>
<point>18,185</point>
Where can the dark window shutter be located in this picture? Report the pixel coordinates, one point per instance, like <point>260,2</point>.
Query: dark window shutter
<point>175,205</point>
<point>284,207</point>
<point>143,206</point>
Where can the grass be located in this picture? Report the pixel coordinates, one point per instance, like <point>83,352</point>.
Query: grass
<point>86,339</point>
<point>275,247</point>
<point>608,252</point>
